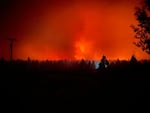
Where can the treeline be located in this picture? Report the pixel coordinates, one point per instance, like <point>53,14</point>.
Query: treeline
<point>69,86</point>
<point>64,66</point>
<point>55,67</point>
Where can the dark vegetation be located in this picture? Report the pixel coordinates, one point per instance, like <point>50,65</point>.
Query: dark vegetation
<point>74,86</point>
<point>142,29</point>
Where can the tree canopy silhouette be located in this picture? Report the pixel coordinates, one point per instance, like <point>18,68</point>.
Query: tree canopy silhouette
<point>104,63</point>
<point>142,29</point>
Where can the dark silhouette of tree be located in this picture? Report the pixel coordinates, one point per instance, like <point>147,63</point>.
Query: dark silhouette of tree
<point>104,63</point>
<point>142,29</point>
<point>133,59</point>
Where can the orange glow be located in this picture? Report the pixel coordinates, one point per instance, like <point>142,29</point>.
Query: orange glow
<point>74,30</point>
<point>81,47</point>
<point>81,50</point>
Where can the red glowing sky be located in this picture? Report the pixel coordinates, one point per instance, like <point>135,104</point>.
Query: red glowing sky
<point>69,29</point>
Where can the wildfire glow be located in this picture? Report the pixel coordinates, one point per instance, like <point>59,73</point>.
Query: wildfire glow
<point>69,29</point>
<point>81,49</point>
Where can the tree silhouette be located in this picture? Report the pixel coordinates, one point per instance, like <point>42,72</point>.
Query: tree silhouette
<point>104,63</point>
<point>133,59</point>
<point>142,29</point>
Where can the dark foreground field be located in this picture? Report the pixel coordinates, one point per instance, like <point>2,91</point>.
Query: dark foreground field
<point>32,86</point>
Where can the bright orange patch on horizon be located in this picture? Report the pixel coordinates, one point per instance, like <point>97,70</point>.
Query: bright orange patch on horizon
<point>81,49</point>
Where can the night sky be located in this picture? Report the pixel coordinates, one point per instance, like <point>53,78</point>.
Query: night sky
<point>69,29</point>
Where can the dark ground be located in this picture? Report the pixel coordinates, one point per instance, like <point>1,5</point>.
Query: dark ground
<point>30,86</point>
